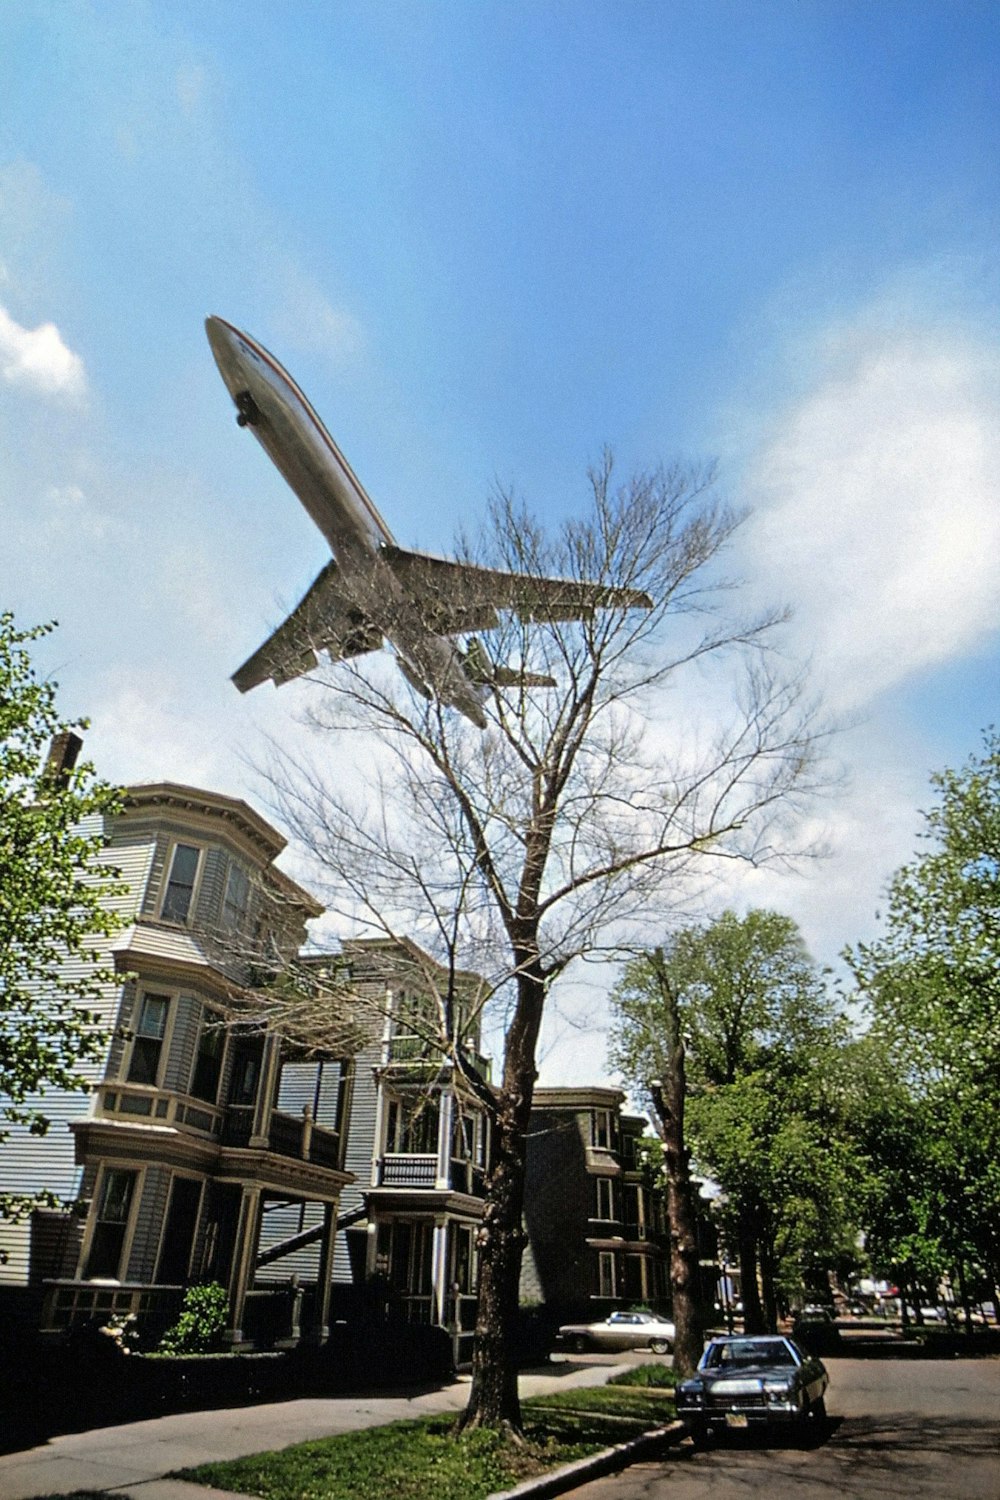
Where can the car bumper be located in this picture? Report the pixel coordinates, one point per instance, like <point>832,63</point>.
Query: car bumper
<point>740,1418</point>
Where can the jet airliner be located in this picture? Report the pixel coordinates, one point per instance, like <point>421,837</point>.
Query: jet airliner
<point>373,591</point>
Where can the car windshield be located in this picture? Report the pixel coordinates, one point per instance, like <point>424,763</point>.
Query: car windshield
<point>738,1354</point>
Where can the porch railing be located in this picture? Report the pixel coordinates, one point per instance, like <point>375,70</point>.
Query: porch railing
<point>408,1171</point>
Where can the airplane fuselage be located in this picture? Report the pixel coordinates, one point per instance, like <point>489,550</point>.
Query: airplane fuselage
<point>288,429</point>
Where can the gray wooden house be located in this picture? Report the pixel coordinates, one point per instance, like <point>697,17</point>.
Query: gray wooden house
<point>418,1145</point>
<point>192,1134</point>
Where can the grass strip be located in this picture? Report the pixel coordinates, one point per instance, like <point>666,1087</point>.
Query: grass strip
<point>428,1460</point>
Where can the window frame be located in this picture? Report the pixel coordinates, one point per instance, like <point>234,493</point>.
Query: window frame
<point>168,869</point>
<point>107,1169</point>
<point>235,917</point>
<point>211,1021</point>
<point>607,1260</point>
<point>604,1186</point>
<point>143,994</point>
<point>602,1123</point>
<point>201,1183</point>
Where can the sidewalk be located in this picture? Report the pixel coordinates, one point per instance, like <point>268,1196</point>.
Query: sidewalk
<point>133,1458</point>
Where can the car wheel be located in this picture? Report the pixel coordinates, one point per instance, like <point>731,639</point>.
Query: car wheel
<point>581,1344</point>
<point>700,1434</point>
<point>812,1424</point>
<point>660,1346</point>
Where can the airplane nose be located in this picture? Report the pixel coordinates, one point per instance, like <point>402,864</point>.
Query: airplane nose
<point>218,334</point>
<point>225,345</point>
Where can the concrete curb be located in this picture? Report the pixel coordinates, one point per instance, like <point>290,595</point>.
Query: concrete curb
<point>608,1461</point>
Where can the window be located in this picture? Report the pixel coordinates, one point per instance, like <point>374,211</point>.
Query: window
<point>635,1282</point>
<point>108,1239</point>
<point>412,1128</point>
<point>208,1060</point>
<point>180,884</point>
<point>178,1231</point>
<point>144,1064</point>
<point>248,1053</point>
<point>405,1253</point>
<point>463,1137</point>
<point>606,1280</point>
<point>605,1198</point>
<point>602,1128</point>
<point>464,1267</point>
<point>236,901</point>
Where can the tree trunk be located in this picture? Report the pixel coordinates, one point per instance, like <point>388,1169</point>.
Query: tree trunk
<point>668,1100</point>
<point>767,1278</point>
<point>493,1397</point>
<point>753,1313</point>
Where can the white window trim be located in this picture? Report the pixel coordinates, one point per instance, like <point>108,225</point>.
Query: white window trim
<point>130,1224</point>
<point>243,917</point>
<point>191,1177</point>
<point>216,1014</point>
<point>611,1217</point>
<point>607,1258</point>
<point>168,866</point>
<point>172,997</point>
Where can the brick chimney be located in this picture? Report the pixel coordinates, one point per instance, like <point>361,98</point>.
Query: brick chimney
<point>62,757</point>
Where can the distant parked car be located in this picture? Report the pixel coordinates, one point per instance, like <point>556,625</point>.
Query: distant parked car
<point>814,1312</point>
<point>622,1330</point>
<point>745,1382</point>
<point>815,1329</point>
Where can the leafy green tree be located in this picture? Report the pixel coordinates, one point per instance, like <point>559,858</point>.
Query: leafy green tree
<point>666,1090</point>
<point>762,1037</point>
<point>932,982</point>
<point>53,898</point>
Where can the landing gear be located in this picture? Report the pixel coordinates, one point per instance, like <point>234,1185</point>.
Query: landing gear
<point>247,410</point>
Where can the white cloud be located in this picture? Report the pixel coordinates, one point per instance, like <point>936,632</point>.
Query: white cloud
<point>191,83</point>
<point>309,321</point>
<point>877,503</point>
<point>69,516</point>
<point>39,359</point>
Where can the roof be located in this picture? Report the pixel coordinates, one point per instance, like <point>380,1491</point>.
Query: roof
<point>585,1097</point>
<point>155,796</point>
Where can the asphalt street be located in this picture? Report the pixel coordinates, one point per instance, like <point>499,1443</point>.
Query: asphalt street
<point>920,1429</point>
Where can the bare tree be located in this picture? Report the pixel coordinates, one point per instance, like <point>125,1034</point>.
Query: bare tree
<point>564,828</point>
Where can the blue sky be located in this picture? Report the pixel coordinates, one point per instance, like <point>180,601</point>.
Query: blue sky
<point>487,239</point>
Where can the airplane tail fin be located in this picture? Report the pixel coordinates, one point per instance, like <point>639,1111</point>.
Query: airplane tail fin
<point>479,668</point>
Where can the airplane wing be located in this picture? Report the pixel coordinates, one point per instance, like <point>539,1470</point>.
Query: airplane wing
<point>457,597</point>
<point>323,621</point>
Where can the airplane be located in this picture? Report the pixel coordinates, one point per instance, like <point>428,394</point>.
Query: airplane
<point>373,591</point>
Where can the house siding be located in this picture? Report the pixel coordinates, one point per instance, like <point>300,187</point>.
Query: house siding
<point>360,1148</point>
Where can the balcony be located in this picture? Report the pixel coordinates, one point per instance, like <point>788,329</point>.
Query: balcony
<point>396,1170</point>
<point>288,1135</point>
<point>139,1102</point>
<point>408,1171</point>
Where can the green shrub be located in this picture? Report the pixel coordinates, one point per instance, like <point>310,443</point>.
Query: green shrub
<point>202,1321</point>
<point>645,1375</point>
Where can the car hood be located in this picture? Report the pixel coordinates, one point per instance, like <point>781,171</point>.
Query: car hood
<point>744,1373</point>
